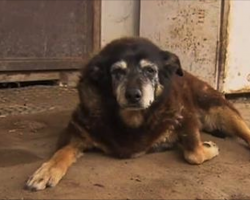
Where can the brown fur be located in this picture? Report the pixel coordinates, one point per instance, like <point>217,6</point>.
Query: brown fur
<point>190,106</point>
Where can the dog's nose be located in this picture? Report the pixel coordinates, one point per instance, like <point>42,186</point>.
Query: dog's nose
<point>133,95</point>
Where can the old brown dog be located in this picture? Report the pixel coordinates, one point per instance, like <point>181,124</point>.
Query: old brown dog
<point>135,98</point>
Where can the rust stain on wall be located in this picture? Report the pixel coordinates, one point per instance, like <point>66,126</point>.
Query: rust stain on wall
<point>188,28</point>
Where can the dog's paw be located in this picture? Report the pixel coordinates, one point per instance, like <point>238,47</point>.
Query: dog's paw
<point>206,151</point>
<point>211,147</point>
<point>48,175</point>
<point>210,150</point>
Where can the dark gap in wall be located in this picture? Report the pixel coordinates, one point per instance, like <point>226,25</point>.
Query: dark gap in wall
<point>238,96</point>
<point>28,84</point>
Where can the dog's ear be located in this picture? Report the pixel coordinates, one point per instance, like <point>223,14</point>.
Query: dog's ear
<point>95,72</point>
<point>95,68</point>
<point>172,63</point>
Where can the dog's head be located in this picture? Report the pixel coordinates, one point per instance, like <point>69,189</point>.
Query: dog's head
<point>135,71</point>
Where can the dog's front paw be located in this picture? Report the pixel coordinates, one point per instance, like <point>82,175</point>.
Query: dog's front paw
<point>48,175</point>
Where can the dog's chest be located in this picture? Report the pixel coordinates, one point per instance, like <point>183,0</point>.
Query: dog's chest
<point>121,139</point>
<point>129,143</point>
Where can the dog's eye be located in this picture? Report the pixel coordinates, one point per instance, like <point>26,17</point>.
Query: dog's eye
<point>118,73</point>
<point>149,70</point>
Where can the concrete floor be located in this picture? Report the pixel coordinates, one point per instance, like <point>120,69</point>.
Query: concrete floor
<point>27,140</point>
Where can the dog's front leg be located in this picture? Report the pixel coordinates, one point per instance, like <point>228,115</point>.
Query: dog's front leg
<point>52,171</point>
<point>195,151</point>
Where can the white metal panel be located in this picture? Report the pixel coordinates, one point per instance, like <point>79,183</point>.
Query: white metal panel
<point>237,67</point>
<point>119,18</point>
<point>188,28</point>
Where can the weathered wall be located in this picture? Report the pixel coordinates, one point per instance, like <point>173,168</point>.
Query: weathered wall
<point>119,18</point>
<point>188,28</point>
<point>237,65</point>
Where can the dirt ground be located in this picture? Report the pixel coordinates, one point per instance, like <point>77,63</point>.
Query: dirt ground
<point>28,140</point>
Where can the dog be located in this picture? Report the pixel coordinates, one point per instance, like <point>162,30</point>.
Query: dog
<point>135,98</point>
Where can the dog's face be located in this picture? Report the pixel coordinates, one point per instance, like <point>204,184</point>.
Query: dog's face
<point>135,84</point>
<point>136,70</point>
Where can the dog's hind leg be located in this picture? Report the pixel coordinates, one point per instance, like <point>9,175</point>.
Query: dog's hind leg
<point>228,121</point>
<point>195,150</point>
<point>52,171</point>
